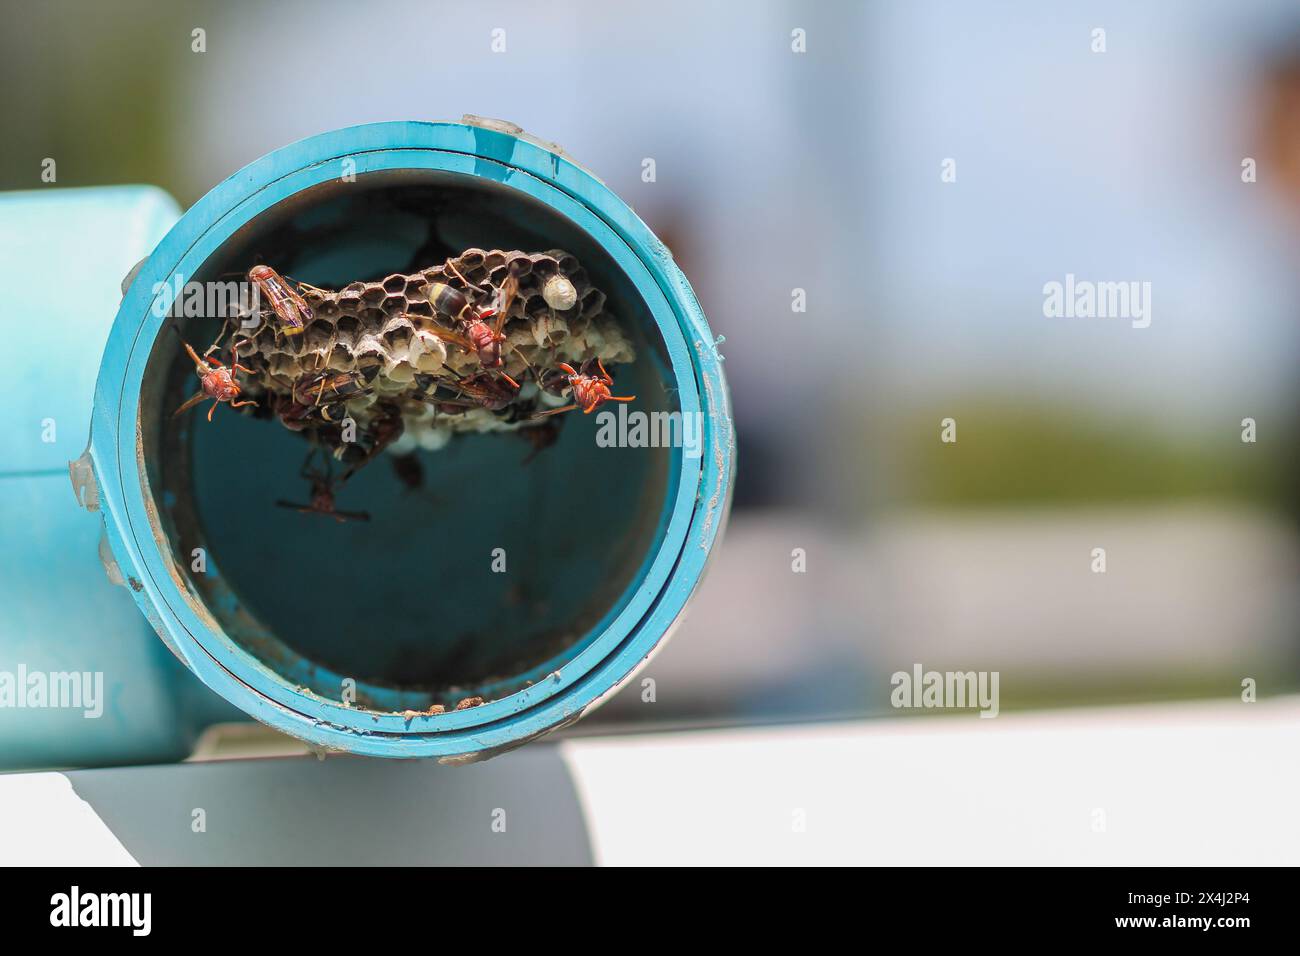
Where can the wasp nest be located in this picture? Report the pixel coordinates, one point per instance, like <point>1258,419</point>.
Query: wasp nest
<point>377,355</point>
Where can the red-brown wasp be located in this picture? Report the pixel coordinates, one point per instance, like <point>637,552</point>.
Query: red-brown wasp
<point>216,382</point>
<point>322,494</point>
<point>313,388</point>
<point>289,307</point>
<point>589,391</point>
<point>385,428</point>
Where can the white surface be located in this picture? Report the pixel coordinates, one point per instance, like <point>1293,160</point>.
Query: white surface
<point>1196,784</point>
<point>44,823</point>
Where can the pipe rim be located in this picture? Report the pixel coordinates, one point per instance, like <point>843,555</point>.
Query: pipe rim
<point>644,619</point>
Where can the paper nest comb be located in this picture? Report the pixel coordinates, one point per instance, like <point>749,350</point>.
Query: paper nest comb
<point>362,328</point>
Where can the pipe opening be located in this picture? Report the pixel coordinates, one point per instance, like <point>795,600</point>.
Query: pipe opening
<point>476,574</point>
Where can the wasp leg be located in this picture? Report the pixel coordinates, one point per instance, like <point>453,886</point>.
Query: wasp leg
<point>554,411</point>
<point>524,358</point>
<point>225,326</point>
<point>190,402</point>
<point>305,470</point>
<point>612,398</point>
<point>509,287</point>
<point>455,338</point>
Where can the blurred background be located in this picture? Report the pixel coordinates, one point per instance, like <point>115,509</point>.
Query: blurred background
<point>824,171</point>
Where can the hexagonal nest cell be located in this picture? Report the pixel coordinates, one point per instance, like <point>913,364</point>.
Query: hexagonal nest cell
<point>488,546</point>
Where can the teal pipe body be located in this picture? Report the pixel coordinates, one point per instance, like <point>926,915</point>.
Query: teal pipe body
<point>83,680</point>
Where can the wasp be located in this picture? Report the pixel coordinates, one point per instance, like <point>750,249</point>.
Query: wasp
<point>323,396</point>
<point>540,437</point>
<point>472,332</point>
<point>409,470</point>
<point>216,381</point>
<point>289,307</point>
<point>589,391</point>
<point>322,494</point>
<point>312,388</point>
<point>384,429</point>
<point>480,390</point>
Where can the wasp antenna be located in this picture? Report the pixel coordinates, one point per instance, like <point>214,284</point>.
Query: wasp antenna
<point>198,362</point>
<point>509,288</point>
<point>459,275</point>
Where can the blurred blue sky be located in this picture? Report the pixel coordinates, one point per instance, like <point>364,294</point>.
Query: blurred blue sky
<point>1114,166</point>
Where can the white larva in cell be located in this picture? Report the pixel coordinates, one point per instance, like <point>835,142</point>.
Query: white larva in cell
<point>559,293</point>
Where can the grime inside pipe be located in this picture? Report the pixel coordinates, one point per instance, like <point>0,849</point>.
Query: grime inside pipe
<point>409,539</point>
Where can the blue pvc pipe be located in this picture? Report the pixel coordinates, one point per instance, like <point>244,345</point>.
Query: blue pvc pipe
<point>61,613</point>
<point>693,515</point>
